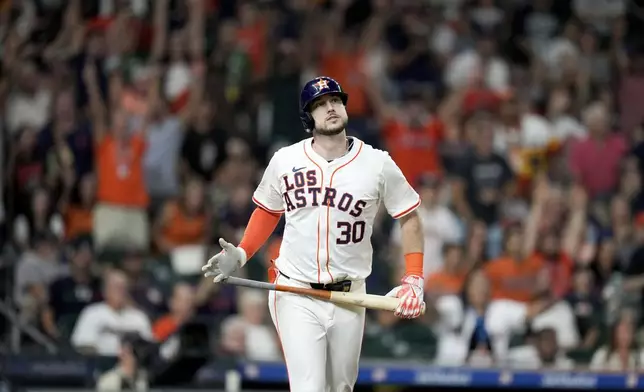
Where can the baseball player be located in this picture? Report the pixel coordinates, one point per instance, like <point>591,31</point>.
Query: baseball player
<point>329,187</point>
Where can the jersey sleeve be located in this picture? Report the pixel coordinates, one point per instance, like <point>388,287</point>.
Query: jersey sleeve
<point>398,195</point>
<point>267,195</point>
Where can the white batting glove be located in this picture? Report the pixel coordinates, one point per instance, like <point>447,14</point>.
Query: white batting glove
<point>411,296</point>
<point>224,263</point>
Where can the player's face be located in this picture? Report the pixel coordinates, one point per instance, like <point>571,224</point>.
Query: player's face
<point>329,114</point>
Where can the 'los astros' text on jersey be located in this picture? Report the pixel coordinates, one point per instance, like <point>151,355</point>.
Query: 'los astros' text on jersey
<point>330,208</point>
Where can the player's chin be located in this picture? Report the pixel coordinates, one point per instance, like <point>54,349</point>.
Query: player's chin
<point>331,130</point>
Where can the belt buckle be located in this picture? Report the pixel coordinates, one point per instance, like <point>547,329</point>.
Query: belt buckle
<point>343,286</point>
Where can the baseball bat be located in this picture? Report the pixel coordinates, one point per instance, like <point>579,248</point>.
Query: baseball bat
<point>369,301</point>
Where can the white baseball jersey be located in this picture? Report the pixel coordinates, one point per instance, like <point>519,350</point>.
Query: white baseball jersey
<point>330,208</point>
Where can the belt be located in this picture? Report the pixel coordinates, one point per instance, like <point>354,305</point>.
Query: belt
<point>343,285</point>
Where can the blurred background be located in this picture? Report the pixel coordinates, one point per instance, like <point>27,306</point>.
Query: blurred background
<point>135,131</point>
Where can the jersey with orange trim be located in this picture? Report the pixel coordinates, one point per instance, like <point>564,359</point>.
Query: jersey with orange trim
<point>330,208</point>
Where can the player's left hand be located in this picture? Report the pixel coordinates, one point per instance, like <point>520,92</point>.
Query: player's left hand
<point>411,296</point>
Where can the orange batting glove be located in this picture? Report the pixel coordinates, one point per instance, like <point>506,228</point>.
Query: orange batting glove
<point>411,296</point>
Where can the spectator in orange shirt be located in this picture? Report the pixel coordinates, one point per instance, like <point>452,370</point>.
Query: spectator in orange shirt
<point>450,279</point>
<point>558,264</point>
<point>554,231</point>
<point>182,308</point>
<point>413,137</point>
<point>251,34</point>
<point>184,221</point>
<point>344,58</point>
<point>78,209</point>
<point>514,276</point>
<point>120,216</point>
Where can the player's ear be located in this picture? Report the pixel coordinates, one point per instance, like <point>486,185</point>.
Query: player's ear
<point>307,121</point>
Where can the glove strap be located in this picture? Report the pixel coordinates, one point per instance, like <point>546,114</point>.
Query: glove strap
<point>243,258</point>
<point>413,280</point>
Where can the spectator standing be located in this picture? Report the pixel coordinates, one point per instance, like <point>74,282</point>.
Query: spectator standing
<point>204,145</point>
<point>413,137</point>
<point>484,181</point>
<point>120,216</point>
<point>29,104</point>
<point>598,180</point>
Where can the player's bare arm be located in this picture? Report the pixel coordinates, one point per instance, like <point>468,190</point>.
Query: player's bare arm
<point>401,201</point>
<point>412,233</point>
<point>411,290</point>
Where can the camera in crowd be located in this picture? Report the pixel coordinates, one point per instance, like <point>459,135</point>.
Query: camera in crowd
<point>143,351</point>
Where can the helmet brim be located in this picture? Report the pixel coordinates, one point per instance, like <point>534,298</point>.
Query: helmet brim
<point>343,96</point>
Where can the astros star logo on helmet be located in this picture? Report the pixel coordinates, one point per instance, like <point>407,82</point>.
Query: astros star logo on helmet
<point>321,84</point>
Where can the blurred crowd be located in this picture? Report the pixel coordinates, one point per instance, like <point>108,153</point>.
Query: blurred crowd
<point>135,131</point>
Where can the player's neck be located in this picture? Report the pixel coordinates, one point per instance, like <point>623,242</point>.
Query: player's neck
<point>330,146</point>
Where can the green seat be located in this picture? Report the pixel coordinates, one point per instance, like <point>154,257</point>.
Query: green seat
<point>422,340</point>
<point>517,340</point>
<point>193,280</point>
<point>104,364</point>
<point>66,323</point>
<point>407,339</point>
<point>257,270</point>
<point>110,256</point>
<point>162,273</point>
<point>372,347</point>
<point>581,356</point>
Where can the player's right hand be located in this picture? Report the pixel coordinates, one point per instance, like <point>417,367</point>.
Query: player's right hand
<point>224,263</point>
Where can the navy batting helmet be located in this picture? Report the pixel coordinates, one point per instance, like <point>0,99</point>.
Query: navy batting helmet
<point>317,87</point>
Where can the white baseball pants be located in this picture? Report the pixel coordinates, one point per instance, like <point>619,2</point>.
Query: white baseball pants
<point>321,340</point>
